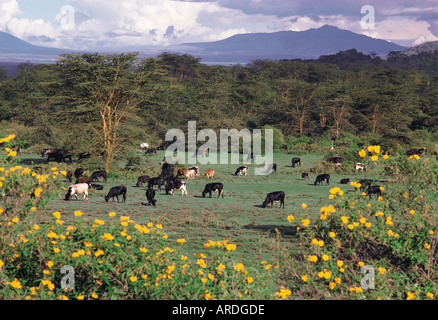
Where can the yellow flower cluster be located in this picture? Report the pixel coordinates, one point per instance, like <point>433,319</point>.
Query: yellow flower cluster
<point>8,138</point>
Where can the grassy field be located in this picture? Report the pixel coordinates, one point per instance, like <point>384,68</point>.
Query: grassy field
<point>238,217</point>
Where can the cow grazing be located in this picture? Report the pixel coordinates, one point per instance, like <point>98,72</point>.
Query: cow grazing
<point>181,172</point>
<point>97,186</point>
<point>172,183</point>
<point>274,196</point>
<point>271,167</point>
<point>190,174</point>
<point>209,174</point>
<point>144,145</point>
<point>116,192</point>
<point>345,181</point>
<point>296,161</point>
<point>86,180</point>
<point>374,190</point>
<point>242,170</point>
<point>78,172</point>
<point>334,160</point>
<point>150,194</point>
<point>214,187</point>
<point>75,189</point>
<point>141,180</point>
<point>196,170</point>
<point>361,167</point>
<point>365,183</point>
<point>203,152</point>
<point>95,175</point>
<point>156,181</point>
<point>305,175</point>
<point>46,152</point>
<point>151,151</point>
<point>415,151</point>
<point>58,156</point>
<point>322,177</point>
<point>69,175</point>
<point>167,170</point>
<point>84,155</point>
<point>182,187</point>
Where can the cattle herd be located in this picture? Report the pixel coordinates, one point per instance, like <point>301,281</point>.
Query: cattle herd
<point>173,183</point>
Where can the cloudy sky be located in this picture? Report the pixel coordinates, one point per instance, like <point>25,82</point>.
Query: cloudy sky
<point>98,24</point>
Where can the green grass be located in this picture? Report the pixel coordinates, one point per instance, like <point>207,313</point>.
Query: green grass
<point>238,217</point>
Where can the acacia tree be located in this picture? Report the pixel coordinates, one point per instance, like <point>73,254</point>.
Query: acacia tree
<point>106,90</point>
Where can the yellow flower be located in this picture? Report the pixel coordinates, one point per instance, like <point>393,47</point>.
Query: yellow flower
<point>374,158</point>
<point>325,257</point>
<point>107,237</point>
<point>305,222</point>
<point>390,233</point>
<point>344,219</point>
<point>231,247</point>
<point>360,264</point>
<point>304,206</point>
<point>249,279</point>
<point>284,293</point>
<point>181,241</point>
<point>290,218</point>
<point>429,295</point>
<point>340,263</point>
<point>94,295</point>
<point>15,283</point>
<point>334,190</point>
<point>382,270</point>
<point>78,213</point>
<point>101,222</point>
<point>385,156</point>
<point>133,279</point>
<point>412,212</point>
<point>332,234</point>
<point>38,192</point>
<point>362,153</point>
<point>410,296</point>
<point>313,258</point>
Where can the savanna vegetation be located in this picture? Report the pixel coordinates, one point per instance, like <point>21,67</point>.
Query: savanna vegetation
<point>330,242</point>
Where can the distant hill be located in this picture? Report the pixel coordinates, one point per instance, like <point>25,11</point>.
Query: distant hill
<point>430,46</point>
<point>309,44</point>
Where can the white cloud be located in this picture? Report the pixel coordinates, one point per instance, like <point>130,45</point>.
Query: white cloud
<point>103,24</point>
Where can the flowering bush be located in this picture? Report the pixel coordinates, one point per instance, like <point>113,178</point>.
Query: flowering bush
<point>395,236</point>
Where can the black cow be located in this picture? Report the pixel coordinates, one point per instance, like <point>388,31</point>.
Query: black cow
<point>172,183</point>
<point>142,179</point>
<point>334,160</point>
<point>374,190</point>
<point>151,151</point>
<point>58,156</point>
<point>46,152</point>
<point>97,186</point>
<point>95,175</point>
<point>365,183</point>
<point>150,194</point>
<point>78,172</point>
<point>166,170</point>
<point>305,175</point>
<point>345,181</point>
<point>322,177</point>
<point>84,155</point>
<point>296,161</point>
<point>116,192</point>
<point>158,181</point>
<point>414,151</point>
<point>213,187</point>
<point>274,196</point>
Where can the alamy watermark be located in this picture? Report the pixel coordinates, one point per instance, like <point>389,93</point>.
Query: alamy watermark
<point>214,150</point>
<point>367,21</point>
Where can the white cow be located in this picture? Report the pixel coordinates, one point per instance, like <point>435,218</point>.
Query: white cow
<point>183,189</point>
<point>75,189</point>
<point>144,145</point>
<point>360,166</point>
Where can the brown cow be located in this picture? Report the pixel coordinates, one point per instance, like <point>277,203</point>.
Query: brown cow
<point>209,174</point>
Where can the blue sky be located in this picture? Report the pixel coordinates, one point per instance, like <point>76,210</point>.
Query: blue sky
<point>99,24</point>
